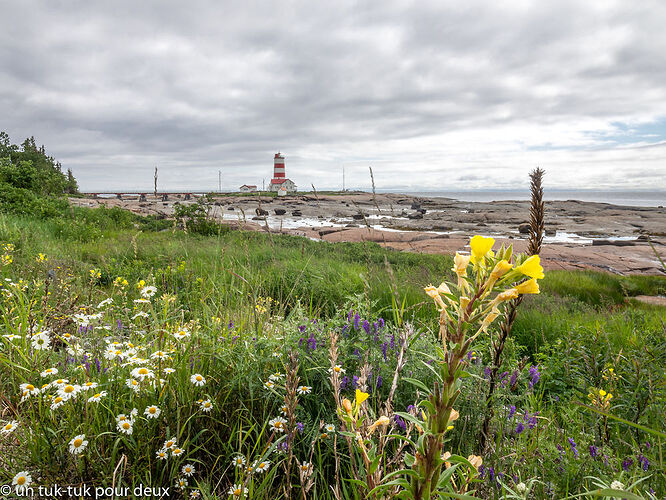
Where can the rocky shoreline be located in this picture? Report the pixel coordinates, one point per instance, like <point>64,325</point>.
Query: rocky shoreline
<point>579,235</point>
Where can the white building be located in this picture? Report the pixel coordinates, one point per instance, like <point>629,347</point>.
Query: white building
<point>247,188</point>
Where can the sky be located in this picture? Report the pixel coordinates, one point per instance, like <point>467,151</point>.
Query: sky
<point>433,95</point>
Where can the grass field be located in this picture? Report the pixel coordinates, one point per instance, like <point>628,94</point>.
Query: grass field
<point>251,312</point>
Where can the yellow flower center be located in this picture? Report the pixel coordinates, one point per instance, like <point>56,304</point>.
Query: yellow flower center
<point>143,371</point>
<point>30,387</point>
<point>199,378</point>
<point>98,395</point>
<point>78,442</point>
<point>58,399</point>
<point>69,388</point>
<point>126,425</point>
<point>169,444</point>
<point>20,481</point>
<point>278,424</point>
<point>8,426</point>
<point>152,409</point>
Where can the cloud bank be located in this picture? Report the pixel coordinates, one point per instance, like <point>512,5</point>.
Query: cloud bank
<point>432,95</point>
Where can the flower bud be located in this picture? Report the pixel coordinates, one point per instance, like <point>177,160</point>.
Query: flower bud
<point>346,405</point>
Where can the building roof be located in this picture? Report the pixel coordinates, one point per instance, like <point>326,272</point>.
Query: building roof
<point>248,186</point>
<point>280,181</point>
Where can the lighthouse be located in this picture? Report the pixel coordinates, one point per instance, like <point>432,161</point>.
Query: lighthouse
<point>279,179</point>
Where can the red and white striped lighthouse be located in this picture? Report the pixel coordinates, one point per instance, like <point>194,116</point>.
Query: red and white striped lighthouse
<point>278,167</point>
<point>279,179</point>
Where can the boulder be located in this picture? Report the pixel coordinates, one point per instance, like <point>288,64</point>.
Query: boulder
<point>280,211</point>
<point>524,228</point>
<point>261,211</point>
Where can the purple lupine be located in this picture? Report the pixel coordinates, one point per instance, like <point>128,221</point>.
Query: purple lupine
<point>366,326</point>
<point>487,372</point>
<point>645,463</point>
<point>482,471</point>
<point>354,381</point>
<point>98,365</point>
<point>302,328</point>
<point>491,474</point>
<point>300,342</point>
<point>380,323</point>
<point>594,452</point>
<point>512,411</point>
<point>312,342</point>
<point>234,339</point>
<point>300,427</point>
<point>626,463</point>
<point>534,376</point>
<point>572,443</point>
<point>119,324</point>
<point>344,382</point>
<point>519,428</point>
<point>344,330</point>
<point>531,420</point>
<point>514,379</point>
<point>385,351</point>
<point>392,344</point>
<point>357,353</point>
<point>400,422</point>
<point>379,381</point>
<point>357,321</point>
<point>503,378</point>
<point>349,315</point>
<point>411,408</point>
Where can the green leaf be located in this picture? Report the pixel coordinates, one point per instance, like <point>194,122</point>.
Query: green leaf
<point>619,419</point>
<point>607,492</point>
<point>409,459</point>
<point>417,383</point>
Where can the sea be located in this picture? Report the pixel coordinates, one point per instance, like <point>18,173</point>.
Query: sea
<point>627,198</point>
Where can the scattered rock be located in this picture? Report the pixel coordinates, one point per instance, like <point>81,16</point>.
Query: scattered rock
<point>280,211</point>
<point>617,243</point>
<point>417,215</point>
<point>358,216</point>
<point>231,208</point>
<point>551,232</point>
<point>261,211</point>
<point>297,213</point>
<point>415,206</point>
<point>524,228</point>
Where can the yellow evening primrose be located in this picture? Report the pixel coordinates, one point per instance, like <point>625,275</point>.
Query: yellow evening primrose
<point>480,246</point>
<point>433,293</point>
<point>460,263</point>
<point>532,267</point>
<point>529,286</point>
<point>361,397</point>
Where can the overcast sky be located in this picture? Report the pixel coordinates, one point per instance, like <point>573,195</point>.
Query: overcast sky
<point>433,95</point>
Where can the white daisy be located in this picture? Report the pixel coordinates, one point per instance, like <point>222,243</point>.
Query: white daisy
<point>237,491</point>
<point>133,384</point>
<point>152,411</point>
<point>69,391</point>
<point>277,424</point>
<point>269,384</point>
<point>9,427</point>
<point>148,291</point>
<point>198,380</point>
<point>11,336</point>
<point>159,355</point>
<point>283,410</point>
<point>206,405</point>
<point>304,389</point>
<point>97,397</point>
<point>76,350</point>
<point>57,402</point>
<point>89,385</point>
<point>40,343</point>
<point>113,352</point>
<point>238,461</point>
<point>169,371</point>
<point>274,377</point>
<point>188,470</point>
<point>78,444</point>
<point>181,334</point>
<point>105,302</point>
<point>49,371</point>
<point>59,383</point>
<point>261,466</point>
<point>194,494</point>
<point>162,454</point>
<point>176,452</point>
<point>22,479</point>
<point>126,427</point>
<point>140,314</point>
<point>181,483</point>
<point>142,373</point>
<point>305,468</point>
<point>329,428</point>
<point>170,444</point>
<point>337,369</point>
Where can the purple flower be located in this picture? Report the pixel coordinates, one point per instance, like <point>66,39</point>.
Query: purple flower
<point>626,463</point>
<point>572,443</point>
<point>366,326</point>
<point>519,428</point>
<point>357,353</point>
<point>531,421</point>
<point>379,381</point>
<point>300,427</point>
<point>512,411</point>
<point>534,375</point>
<point>411,408</point>
<point>380,323</point>
<point>119,324</point>
<point>344,329</point>
<point>312,342</point>
<point>486,373</point>
<point>514,378</point>
<point>98,365</point>
<point>302,328</point>
<point>503,378</point>
<point>349,316</point>
<point>400,422</point>
<point>392,344</point>
<point>594,453</point>
<point>344,382</point>
<point>482,471</point>
<point>354,381</point>
<point>385,350</point>
<point>357,321</point>
<point>231,325</point>
<point>645,463</point>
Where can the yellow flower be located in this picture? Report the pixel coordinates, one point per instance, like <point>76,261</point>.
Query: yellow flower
<point>480,246</point>
<point>530,286</point>
<point>475,460</point>
<point>346,404</point>
<point>492,315</point>
<point>460,263</point>
<point>500,269</point>
<point>443,288</point>
<point>361,397</point>
<point>602,393</point>
<point>509,294</point>
<point>433,293</point>
<point>381,421</point>
<point>531,267</point>
<point>41,258</point>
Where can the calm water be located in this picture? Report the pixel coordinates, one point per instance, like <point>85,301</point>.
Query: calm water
<point>630,198</point>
